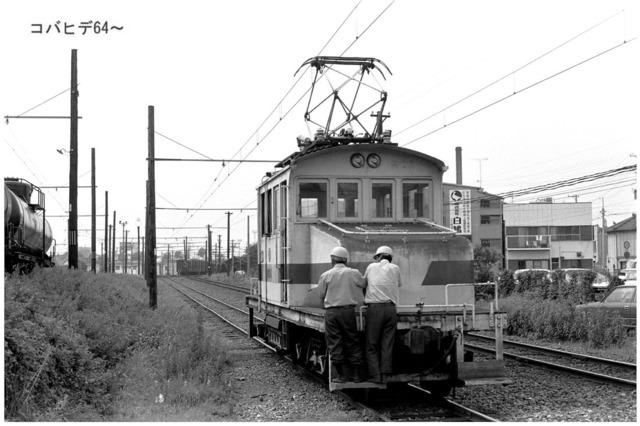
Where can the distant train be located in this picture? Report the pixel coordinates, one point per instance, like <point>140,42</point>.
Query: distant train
<point>362,192</point>
<point>27,234</point>
<point>191,267</point>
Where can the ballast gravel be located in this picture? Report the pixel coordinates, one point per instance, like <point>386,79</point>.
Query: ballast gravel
<point>268,389</point>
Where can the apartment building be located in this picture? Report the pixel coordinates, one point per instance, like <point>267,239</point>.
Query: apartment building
<point>548,235</point>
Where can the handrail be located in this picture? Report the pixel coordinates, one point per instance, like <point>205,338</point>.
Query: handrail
<point>344,231</point>
<point>421,306</point>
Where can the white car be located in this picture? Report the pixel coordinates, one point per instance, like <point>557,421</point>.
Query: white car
<point>599,282</point>
<point>523,272</point>
<point>631,265</point>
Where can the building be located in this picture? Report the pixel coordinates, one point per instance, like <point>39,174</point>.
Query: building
<point>548,235</point>
<point>473,212</point>
<point>621,244</point>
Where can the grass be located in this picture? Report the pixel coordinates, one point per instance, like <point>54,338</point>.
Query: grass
<point>85,347</point>
<point>542,309</point>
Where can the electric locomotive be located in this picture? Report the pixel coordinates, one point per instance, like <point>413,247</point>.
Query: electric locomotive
<point>362,191</point>
<point>27,234</point>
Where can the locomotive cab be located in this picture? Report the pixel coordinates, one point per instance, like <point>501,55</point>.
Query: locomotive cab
<point>361,196</point>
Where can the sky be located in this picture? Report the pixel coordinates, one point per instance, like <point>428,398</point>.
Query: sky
<point>534,92</point>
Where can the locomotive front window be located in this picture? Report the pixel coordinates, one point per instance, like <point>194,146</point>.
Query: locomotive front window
<point>348,200</point>
<point>312,200</point>
<point>381,200</point>
<point>416,200</point>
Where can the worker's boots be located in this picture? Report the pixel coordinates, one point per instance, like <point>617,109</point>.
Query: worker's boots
<point>340,378</point>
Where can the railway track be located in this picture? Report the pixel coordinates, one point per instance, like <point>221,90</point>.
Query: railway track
<point>407,403</point>
<point>599,369</point>
<point>238,288</point>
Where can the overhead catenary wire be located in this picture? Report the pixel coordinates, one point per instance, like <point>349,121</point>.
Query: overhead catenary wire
<point>509,74</point>
<point>518,91</point>
<point>276,108</point>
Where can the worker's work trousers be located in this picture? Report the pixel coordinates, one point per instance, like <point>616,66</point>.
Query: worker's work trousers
<point>381,331</point>
<point>341,335</point>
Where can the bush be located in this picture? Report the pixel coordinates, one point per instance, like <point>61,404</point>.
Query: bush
<point>559,320</point>
<point>74,340</point>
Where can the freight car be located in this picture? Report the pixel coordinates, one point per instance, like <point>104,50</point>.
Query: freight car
<point>191,267</point>
<point>362,191</point>
<point>27,234</point>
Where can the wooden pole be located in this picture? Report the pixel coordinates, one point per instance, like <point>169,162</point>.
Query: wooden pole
<point>113,244</point>
<point>228,241</point>
<point>209,250</point>
<point>106,230</point>
<point>93,210</point>
<point>151,208</point>
<point>73,168</point>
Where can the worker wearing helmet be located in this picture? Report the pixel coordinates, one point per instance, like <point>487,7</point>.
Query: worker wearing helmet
<point>340,289</point>
<point>382,280</point>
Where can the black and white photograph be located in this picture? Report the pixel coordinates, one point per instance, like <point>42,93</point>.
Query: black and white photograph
<point>320,211</point>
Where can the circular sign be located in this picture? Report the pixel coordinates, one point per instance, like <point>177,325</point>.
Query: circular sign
<point>627,245</point>
<point>456,195</point>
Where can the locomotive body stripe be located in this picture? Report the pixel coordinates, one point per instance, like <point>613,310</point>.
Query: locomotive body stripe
<point>440,272</point>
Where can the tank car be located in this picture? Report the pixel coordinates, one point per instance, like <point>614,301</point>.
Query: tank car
<point>27,234</point>
<point>359,190</point>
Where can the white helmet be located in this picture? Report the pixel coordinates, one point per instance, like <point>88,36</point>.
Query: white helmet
<point>384,250</point>
<point>340,252</point>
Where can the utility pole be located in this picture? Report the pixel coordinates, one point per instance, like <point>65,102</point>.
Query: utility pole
<point>113,245</point>
<point>138,246</point>
<point>480,160</point>
<point>73,169</point>
<point>126,250</point>
<point>209,250</point>
<point>228,240</point>
<point>152,280</point>
<point>603,248</point>
<point>93,210</point>
<point>248,244</point>
<point>219,253</point>
<point>108,268</point>
<point>124,270</point>
<point>106,230</point>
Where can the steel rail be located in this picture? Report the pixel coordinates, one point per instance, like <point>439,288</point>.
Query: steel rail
<point>552,366</point>
<point>307,373</point>
<point>558,352</point>
<point>459,408</point>
<point>221,284</point>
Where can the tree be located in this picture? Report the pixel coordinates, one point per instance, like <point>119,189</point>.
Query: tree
<point>485,260</point>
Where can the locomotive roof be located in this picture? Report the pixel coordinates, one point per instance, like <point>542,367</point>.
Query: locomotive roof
<point>316,148</point>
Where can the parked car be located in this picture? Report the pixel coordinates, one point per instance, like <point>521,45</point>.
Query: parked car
<point>599,282</point>
<point>631,265</point>
<point>621,299</point>
<point>631,276</point>
<point>521,273</point>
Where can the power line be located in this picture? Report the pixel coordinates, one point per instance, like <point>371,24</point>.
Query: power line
<point>277,123</point>
<point>508,75</point>
<point>518,92</point>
